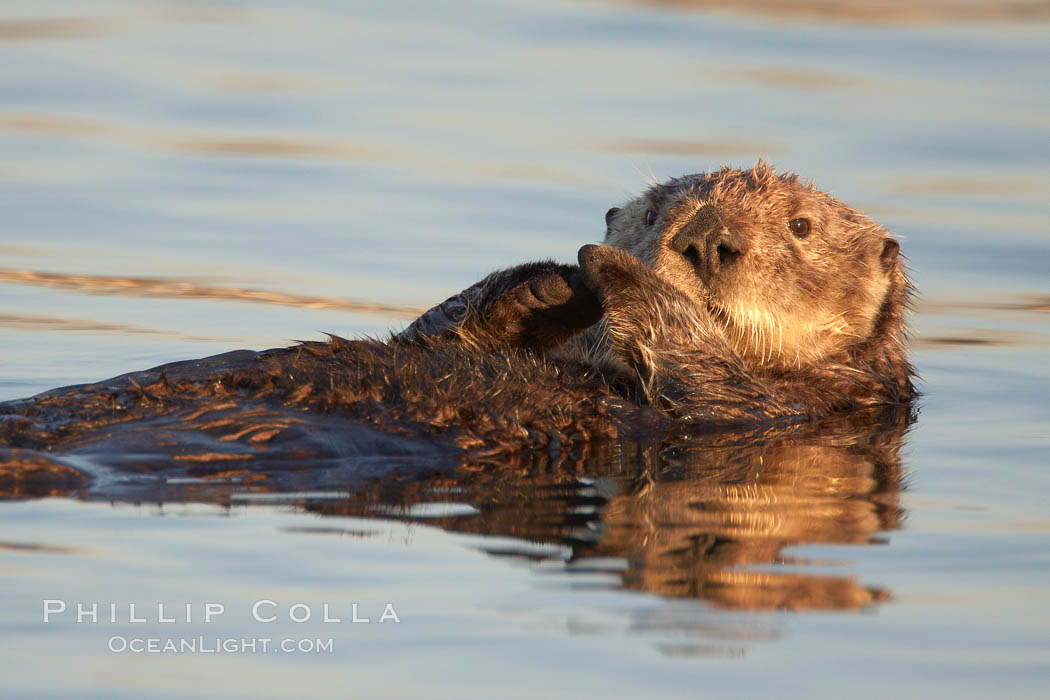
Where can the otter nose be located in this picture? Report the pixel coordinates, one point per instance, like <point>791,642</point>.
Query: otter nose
<point>707,243</point>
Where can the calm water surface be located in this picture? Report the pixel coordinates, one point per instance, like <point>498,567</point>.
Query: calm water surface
<point>184,179</point>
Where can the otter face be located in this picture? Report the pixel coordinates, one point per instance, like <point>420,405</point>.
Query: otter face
<point>794,276</point>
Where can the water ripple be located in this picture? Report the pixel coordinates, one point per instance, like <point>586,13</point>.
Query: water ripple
<point>180,289</point>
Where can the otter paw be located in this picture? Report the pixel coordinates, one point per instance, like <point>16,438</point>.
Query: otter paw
<point>538,306</point>
<point>544,291</point>
<point>609,272</point>
<point>551,306</point>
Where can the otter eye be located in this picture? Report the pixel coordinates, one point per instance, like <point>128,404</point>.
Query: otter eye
<point>650,217</point>
<point>799,227</point>
<point>610,214</point>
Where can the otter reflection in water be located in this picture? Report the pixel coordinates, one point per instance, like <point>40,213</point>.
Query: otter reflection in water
<point>692,518</point>
<point>708,517</point>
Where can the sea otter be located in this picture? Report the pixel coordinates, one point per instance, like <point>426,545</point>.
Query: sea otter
<point>724,295</point>
<point>733,299</point>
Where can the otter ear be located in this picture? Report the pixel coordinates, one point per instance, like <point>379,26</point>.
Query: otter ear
<point>890,250</point>
<point>610,214</point>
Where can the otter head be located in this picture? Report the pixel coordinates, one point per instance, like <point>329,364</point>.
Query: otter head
<point>795,277</point>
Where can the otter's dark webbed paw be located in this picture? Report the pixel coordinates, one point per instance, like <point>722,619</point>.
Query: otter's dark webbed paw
<point>559,298</point>
<point>537,305</point>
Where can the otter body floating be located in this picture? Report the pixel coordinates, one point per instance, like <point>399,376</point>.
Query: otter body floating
<point>731,300</point>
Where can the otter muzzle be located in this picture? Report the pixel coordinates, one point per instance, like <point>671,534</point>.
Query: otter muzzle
<point>707,243</point>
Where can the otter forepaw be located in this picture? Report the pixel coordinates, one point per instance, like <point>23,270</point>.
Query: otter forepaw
<point>547,290</point>
<point>644,312</point>
<point>555,303</point>
<point>613,274</point>
<point>541,305</point>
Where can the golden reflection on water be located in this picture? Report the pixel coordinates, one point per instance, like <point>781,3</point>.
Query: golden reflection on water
<point>269,82</point>
<point>1029,302</point>
<point>966,186</point>
<point>936,334</point>
<point>697,540</point>
<point>893,12</point>
<point>51,323</point>
<point>712,148</point>
<point>76,27</point>
<point>173,288</point>
<point>231,144</point>
<point>66,28</point>
<point>977,337</point>
<point>809,79</point>
<point>269,144</point>
<point>701,518</point>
